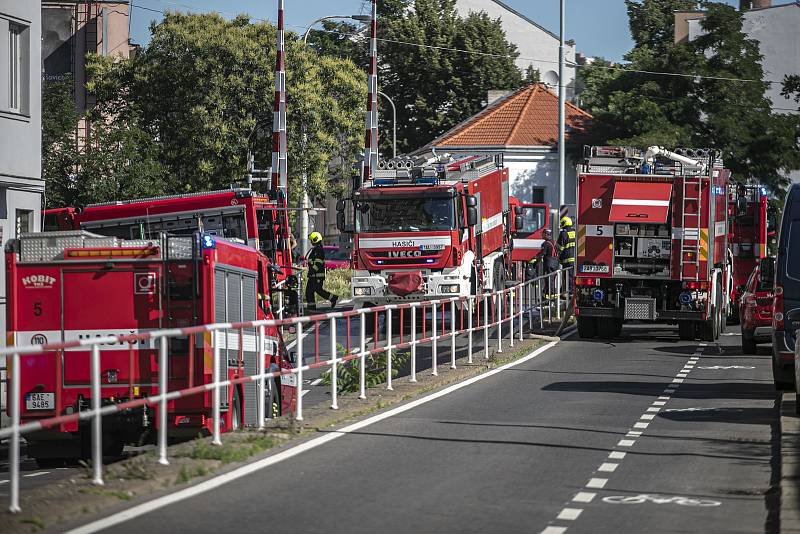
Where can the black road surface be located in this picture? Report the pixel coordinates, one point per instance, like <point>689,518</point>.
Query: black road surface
<point>645,434</point>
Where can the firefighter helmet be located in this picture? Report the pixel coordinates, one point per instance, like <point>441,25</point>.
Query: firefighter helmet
<point>315,238</point>
<point>565,221</point>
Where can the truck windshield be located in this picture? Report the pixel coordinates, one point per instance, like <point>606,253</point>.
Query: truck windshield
<point>535,218</point>
<point>405,214</point>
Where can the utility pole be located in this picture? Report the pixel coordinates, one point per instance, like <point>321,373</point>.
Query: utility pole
<point>562,97</point>
<point>304,200</point>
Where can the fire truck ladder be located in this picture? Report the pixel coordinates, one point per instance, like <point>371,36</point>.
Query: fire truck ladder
<point>690,233</point>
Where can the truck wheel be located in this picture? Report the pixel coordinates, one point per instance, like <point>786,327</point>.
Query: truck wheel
<point>783,381</point>
<point>587,327</point>
<point>235,412</point>
<point>606,328</point>
<point>748,343</point>
<point>707,329</point>
<point>686,330</point>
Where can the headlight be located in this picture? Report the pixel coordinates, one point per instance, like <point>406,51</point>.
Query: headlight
<point>362,291</point>
<point>449,288</point>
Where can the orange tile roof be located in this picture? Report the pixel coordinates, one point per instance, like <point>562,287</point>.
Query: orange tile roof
<point>527,117</point>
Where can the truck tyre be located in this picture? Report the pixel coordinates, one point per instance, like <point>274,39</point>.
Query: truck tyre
<point>235,412</point>
<point>587,327</point>
<point>606,328</point>
<point>748,343</point>
<point>709,330</point>
<point>783,381</point>
<point>686,330</point>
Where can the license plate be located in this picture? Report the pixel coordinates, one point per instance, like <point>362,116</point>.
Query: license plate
<point>594,268</point>
<point>40,401</point>
<point>289,380</point>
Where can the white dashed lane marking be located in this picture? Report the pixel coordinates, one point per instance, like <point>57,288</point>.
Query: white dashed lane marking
<point>571,514</point>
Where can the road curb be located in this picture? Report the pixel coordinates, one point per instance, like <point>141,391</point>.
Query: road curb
<point>790,464</point>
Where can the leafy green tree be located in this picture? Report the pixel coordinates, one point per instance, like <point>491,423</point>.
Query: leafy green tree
<point>59,150</point>
<point>202,91</point>
<point>434,87</point>
<point>791,86</point>
<point>672,109</point>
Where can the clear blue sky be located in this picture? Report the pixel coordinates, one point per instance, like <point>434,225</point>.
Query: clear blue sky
<point>599,27</point>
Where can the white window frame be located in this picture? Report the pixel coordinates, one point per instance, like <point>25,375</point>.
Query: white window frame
<point>15,67</point>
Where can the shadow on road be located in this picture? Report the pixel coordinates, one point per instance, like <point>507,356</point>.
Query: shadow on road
<point>716,390</point>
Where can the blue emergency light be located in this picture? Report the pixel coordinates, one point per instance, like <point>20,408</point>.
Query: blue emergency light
<point>209,241</point>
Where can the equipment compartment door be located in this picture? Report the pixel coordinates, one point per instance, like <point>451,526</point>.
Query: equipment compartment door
<point>110,301</point>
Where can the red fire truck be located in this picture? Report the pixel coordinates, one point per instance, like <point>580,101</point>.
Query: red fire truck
<point>528,240</point>
<point>652,240</point>
<point>238,215</point>
<point>748,234</point>
<point>436,228</point>
<point>66,286</point>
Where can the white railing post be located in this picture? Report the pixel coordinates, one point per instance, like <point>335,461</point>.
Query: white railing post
<point>541,309</point>
<point>558,294</point>
<point>486,326</point>
<point>500,322</point>
<point>452,334</point>
<point>521,308</point>
<point>163,375</point>
<point>414,341</point>
<point>260,383</point>
<point>215,400</point>
<point>299,363</point>
<point>389,349</point>
<point>470,305</point>
<point>13,452</point>
<point>334,367</point>
<point>511,294</point>
<point>362,379</point>
<point>97,421</point>
<point>434,358</point>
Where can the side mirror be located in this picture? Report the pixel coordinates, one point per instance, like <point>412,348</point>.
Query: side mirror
<point>472,201</point>
<point>519,221</point>
<point>340,204</point>
<point>472,215</point>
<point>518,211</point>
<point>793,320</point>
<point>341,225</point>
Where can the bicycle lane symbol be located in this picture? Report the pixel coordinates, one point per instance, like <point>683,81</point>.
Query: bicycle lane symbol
<point>643,498</point>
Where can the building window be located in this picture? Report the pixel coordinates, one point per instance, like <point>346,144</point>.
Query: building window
<point>537,195</point>
<point>14,67</point>
<point>24,222</point>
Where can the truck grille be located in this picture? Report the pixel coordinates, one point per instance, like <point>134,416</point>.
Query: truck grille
<point>642,309</point>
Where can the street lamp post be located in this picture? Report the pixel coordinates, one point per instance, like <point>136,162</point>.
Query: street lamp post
<point>304,176</point>
<point>562,95</point>
<point>394,124</point>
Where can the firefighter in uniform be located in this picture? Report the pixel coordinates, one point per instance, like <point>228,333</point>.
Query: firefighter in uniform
<point>316,273</point>
<point>566,243</point>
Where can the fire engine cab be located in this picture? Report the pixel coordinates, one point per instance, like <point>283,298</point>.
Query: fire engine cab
<point>433,228</point>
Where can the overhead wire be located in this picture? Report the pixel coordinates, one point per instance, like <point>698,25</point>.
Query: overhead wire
<point>571,64</point>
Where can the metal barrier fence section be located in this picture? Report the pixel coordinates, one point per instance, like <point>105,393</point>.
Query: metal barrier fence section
<point>517,307</point>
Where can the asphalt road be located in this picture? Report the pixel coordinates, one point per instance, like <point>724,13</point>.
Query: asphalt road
<point>316,347</point>
<point>646,434</point>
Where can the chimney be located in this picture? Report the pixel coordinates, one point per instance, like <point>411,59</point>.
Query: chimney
<point>744,5</point>
<point>493,95</point>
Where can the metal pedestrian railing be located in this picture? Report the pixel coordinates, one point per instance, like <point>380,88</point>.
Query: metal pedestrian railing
<point>517,307</point>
